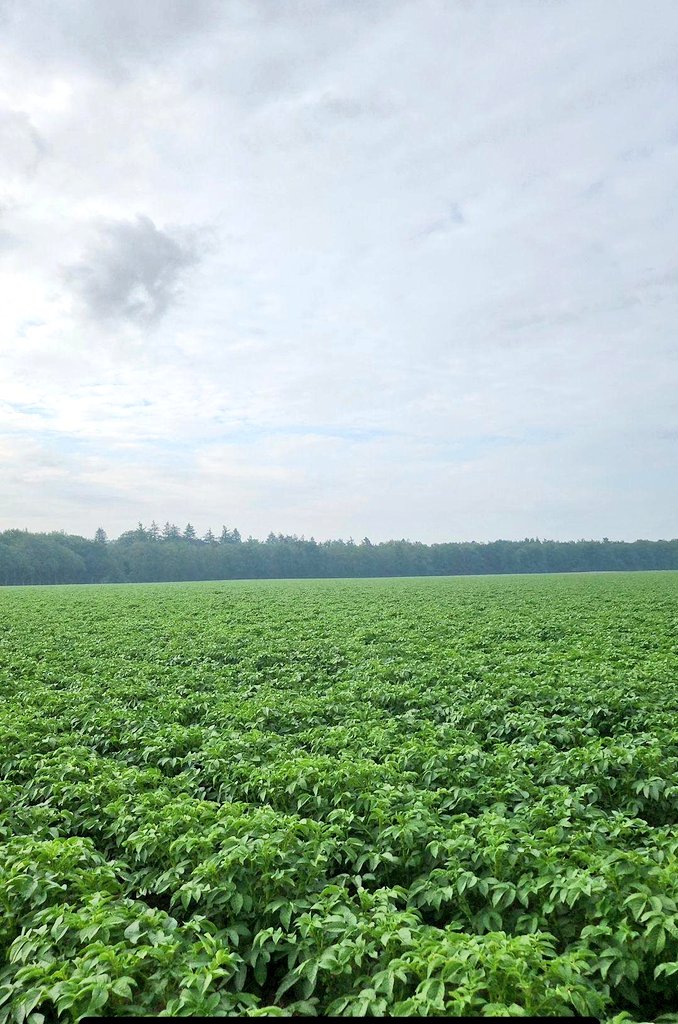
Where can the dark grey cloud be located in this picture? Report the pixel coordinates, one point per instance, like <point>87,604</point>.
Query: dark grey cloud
<point>134,271</point>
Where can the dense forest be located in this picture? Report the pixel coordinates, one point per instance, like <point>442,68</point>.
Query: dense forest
<point>150,554</point>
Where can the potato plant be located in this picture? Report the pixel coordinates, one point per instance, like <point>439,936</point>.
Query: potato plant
<point>411,797</point>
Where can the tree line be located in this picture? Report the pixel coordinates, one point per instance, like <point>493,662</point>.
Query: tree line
<point>163,554</point>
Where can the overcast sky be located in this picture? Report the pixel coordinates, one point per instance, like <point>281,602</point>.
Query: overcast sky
<point>395,268</point>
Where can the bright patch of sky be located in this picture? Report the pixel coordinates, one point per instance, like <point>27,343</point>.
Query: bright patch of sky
<point>396,268</point>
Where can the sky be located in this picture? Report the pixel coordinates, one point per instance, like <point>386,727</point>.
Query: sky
<point>384,268</point>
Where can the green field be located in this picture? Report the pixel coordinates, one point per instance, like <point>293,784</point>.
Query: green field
<point>416,796</point>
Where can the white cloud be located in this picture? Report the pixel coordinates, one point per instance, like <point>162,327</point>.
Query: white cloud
<point>437,292</point>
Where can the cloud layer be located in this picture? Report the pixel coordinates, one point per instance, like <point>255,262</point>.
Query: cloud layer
<point>395,269</point>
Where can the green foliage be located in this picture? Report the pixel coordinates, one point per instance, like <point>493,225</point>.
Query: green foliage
<point>416,797</point>
<point>149,554</point>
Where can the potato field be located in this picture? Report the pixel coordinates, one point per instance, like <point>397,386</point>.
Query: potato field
<point>407,796</point>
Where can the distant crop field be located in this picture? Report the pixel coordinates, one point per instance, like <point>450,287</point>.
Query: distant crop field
<point>411,796</point>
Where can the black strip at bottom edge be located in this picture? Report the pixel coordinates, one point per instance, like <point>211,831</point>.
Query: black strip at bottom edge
<point>503,1020</point>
